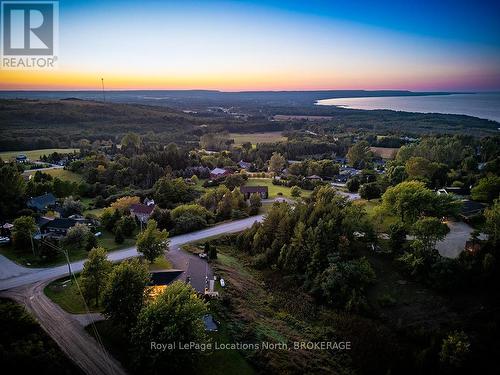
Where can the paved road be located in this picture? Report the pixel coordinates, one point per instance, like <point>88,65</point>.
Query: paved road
<point>52,166</point>
<point>454,242</point>
<point>26,285</point>
<point>66,330</point>
<point>13,275</point>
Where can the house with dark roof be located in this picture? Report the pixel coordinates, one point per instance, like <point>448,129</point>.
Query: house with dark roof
<point>21,158</point>
<point>249,190</point>
<point>58,227</point>
<point>159,280</point>
<point>42,202</point>
<point>142,211</point>
<point>244,165</point>
<point>217,173</point>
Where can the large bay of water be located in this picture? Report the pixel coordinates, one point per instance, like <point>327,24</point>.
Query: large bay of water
<point>482,105</point>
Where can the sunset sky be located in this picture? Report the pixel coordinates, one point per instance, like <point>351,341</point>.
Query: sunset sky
<point>273,45</point>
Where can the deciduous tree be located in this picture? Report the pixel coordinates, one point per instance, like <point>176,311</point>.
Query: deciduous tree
<point>277,162</point>
<point>95,274</point>
<point>175,316</point>
<point>152,242</point>
<point>123,297</point>
<point>23,231</point>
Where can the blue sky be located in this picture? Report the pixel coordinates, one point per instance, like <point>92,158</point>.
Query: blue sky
<point>238,45</point>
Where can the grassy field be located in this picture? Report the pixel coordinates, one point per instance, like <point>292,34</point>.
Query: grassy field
<point>264,308</point>
<point>35,154</point>
<point>254,138</point>
<point>63,174</point>
<point>273,189</point>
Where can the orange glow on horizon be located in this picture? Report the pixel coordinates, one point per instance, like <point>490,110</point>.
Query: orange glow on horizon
<point>67,81</point>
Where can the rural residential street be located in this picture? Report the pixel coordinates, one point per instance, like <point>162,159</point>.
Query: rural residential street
<point>13,275</point>
<point>25,285</point>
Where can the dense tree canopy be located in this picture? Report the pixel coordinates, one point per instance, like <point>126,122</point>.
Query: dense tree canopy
<point>175,316</point>
<point>13,187</point>
<point>411,199</point>
<point>124,295</point>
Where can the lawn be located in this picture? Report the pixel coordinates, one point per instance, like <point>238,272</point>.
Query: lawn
<point>254,138</point>
<point>160,263</point>
<point>65,293</point>
<point>273,189</point>
<point>381,221</point>
<point>107,240</point>
<point>26,258</point>
<point>63,174</point>
<point>36,154</point>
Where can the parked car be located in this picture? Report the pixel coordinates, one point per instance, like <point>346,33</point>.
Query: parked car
<point>202,255</point>
<point>4,240</point>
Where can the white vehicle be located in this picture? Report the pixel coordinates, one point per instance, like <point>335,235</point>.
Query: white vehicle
<point>222,283</point>
<point>202,255</point>
<point>4,240</point>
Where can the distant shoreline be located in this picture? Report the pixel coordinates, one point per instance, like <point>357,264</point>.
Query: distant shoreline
<point>480,105</point>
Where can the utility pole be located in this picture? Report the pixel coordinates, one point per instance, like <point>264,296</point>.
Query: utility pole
<point>69,264</point>
<point>103,93</point>
<point>65,252</point>
<point>32,246</point>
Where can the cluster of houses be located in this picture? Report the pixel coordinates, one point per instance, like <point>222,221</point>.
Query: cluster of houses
<point>57,227</point>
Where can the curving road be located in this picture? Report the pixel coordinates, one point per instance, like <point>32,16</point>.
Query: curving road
<point>66,330</point>
<point>13,275</point>
<point>25,285</point>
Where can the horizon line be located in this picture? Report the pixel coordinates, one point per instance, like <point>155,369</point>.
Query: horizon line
<point>254,91</point>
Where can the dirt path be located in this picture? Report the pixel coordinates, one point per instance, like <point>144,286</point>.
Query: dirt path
<point>66,330</point>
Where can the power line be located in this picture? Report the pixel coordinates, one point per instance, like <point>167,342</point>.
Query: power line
<point>87,309</point>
